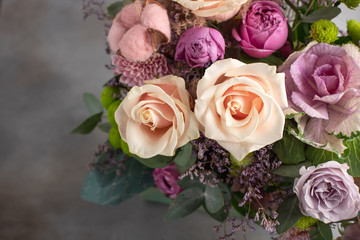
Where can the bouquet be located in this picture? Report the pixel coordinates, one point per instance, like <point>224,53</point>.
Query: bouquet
<point>246,109</point>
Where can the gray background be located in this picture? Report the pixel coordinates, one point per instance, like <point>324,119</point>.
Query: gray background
<point>49,57</point>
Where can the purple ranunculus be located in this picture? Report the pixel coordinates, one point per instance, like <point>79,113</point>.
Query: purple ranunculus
<point>263,30</point>
<point>327,192</point>
<point>323,82</point>
<point>166,180</point>
<point>199,45</point>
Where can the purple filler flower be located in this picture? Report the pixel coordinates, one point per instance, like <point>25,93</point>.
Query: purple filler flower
<point>327,192</point>
<point>263,29</point>
<point>166,180</point>
<point>199,45</point>
<point>323,82</point>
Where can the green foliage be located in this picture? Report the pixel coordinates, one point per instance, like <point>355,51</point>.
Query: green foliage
<point>351,156</point>
<point>289,149</point>
<point>185,203</point>
<point>184,158</point>
<point>108,95</point>
<point>289,214</point>
<point>240,55</point>
<point>93,104</point>
<point>88,125</point>
<point>157,161</point>
<point>214,200</point>
<point>322,231</point>
<point>105,127</point>
<point>115,8</point>
<point>187,182</point>
<point>327,13</point>
<point>291,170</point>
<point>155,195</point>
<point>111,188</point>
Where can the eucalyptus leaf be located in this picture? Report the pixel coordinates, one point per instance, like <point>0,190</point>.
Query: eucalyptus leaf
<point>155,195</point>
<point>351,156</point>
<point>289,149</point>
<point>327,13</point>
<point>289,213</point>
<point>291,170</point>
<point>115,8</point>
<point>105,127</point>
<point>321,232</point>
<point>184,158</point>
<point>219,216</point>
<point>214,200</point>
<point>157,161</point>
<point>88,125</point>
<point>187,182</point>
<point>185,203</point>
<point>92,103</point>
<point>111,188</point>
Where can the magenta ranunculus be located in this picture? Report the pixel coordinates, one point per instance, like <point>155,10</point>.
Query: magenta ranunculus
<point>323,82</point>
<point>327,192</point>
<point>166,180</point>
<point>199,45</point>
<point>263,29</point>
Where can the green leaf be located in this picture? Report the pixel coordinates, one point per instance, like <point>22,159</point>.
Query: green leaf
<point>289,214</point>
<point>240,55</point>
<point>185,203</point>
<point>155,195</point>
<point>93,104</point>
<point>184,158</point>
<point>225,191</point>
<point>187,182</point>
<point>219,216</point>
<point>289,149</point>
<point>351,156</point>
<point>291,170</point>
<point>157,161</point>
<point>111,188</point>
<point>321,232</point>
<point>214,200</point>
<point>88,125</point>
<point>105,127</point>
<point>115,8</point>
<point>323,13</point>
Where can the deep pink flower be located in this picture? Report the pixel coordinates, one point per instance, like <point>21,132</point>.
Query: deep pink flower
<point>323,82</point>
<point>166,180</point>
<point>199,45</point>
<point>134,73</point>
<point>327,192</point>
<point>263,29</point>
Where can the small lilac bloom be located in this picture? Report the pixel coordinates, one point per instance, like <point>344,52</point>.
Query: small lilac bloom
<point>199,45</point>
<point>166,180</point>
<point>327,192</point>
<point>263,30</point>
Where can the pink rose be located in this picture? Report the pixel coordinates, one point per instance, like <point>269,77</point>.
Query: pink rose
<point>239,105</point>
<point>166,180</point>
<point>137,29</point>
<point>156,117</point>
<point>263,29</point>
<point>327,192</point>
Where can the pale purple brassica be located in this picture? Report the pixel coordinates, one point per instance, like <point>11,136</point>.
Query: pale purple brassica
<point>199,45</point>
<point>327,192</point>
<point>166,180</point>
<point>322,81</point>
<point>263,29</point>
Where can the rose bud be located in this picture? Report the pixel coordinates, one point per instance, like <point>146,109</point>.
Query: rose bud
<point>263,29</point>
<point>199,45</point>
<point>166,180</point>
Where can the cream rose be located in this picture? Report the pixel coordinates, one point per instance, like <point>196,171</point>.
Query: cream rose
<point>239,105</point>
<point>213,9</point>
<point>156,117</point>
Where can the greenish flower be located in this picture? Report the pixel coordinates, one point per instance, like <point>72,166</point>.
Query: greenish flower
<point>353,29</point>
<point>108,96</point>
<point>324,31</point>
<point>305,222</point>
<point>351,3</point>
